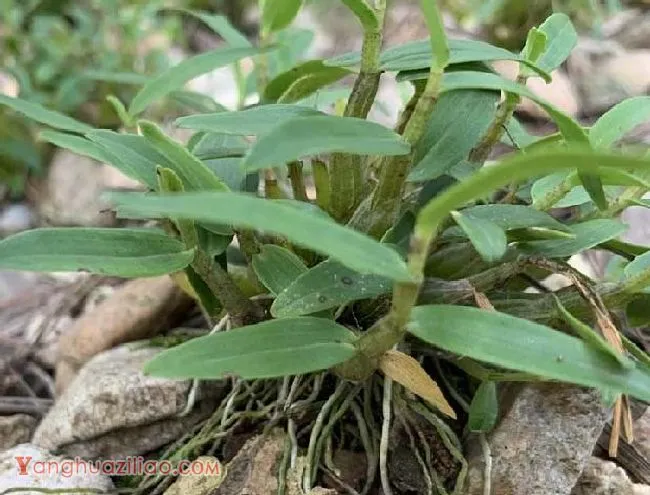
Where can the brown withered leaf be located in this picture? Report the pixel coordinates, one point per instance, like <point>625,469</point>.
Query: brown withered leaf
<point>406,371</point>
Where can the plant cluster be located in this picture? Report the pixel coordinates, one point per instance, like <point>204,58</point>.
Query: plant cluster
<point>412,258</point>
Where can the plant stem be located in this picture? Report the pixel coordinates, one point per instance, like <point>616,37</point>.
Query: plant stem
<point>297,181</point>
<point>242,310</point>
<point>393,170</point>
<point>346,174</point>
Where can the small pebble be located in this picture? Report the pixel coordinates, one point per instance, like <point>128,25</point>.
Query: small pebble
<point>15,218</point>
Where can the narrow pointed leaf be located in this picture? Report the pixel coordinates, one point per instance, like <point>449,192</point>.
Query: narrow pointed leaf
<point>193,172</point>
<point>459,120</point>
<point>43,115</point>
<point>278,14</point>
<point>115,252</point>
<point>277,267</point>
<point>305,136</point>
<point>364,13</point>
<point>131,154</point>
<point>176,77</point>
<point>488,238</point>
<point>76,144</point>
<point>303,227</point>
<point>561,39</point>
<point>594,187</point>
<point>327,285</point>
<point>511,217</point>
<point>587,235</point>
<point>406,371</point>
<point>618,121</point>
<point>519,344</point>
<point>484,408</point>
<point>270,349</point>
<point>640,264</point>
<point>312,74</point>
<point>222,26</point>
<point>250,122</point>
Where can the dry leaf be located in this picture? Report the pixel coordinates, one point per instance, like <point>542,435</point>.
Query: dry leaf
<point>482,301</point>
<point>406,371</point>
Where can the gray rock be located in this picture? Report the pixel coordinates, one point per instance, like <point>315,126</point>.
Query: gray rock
<point>15,429</point>
<point>198,484</point>
<point>15,218</point>
<point>630,28</point>
<point>44,471</point>
<point>606,478</point>
<point>542,443</point>
<point>605,74</point>
<point>111,409</point>
<point>642,434</point>
<point>72,192</point>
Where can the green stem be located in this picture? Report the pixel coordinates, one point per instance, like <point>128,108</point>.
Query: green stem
<point>346,174</point>
<point>297,181</point>
<point>387,196</point>
<point>506,109</point>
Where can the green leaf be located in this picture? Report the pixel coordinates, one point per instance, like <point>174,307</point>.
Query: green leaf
<point>253,121</point>
<point>618,121</point>
<point>418,55</point>
<point>364,13</point>
<point>587,235</point>
<point>131,154</point>
<point>519,344</point>
<point>278,14</point>
<point>312,74</point>
<point>303,227</point>
<point>222,26</point>
<point>517,168</point>
<point>291,346</point>
<point>459,120</point>
<point>594,187</point>
<point>561,39</point>
<point>176,77</point>
<point>510,217</point>
<point>438,38</point>
<point>637,311</point>
<point>43,115</point>
<point>114,252</point>
<point>569,128</point>
<point>488,239</point>
<point>590,336</point>
<point>535,45</point>
<point>484,409</point>
<point>193,172</point>
<point>638,265</point>
<point>277,267</point>
<point>312,135</point>
<point>327,285</point>
<point>76,144</point>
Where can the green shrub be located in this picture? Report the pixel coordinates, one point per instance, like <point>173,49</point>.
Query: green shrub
<point>409,228</point>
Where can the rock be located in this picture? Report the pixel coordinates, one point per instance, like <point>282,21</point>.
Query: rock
<point>112,178</point>
<point>47,472</point>
<point>253,471</point>
<point>15,218</point>
<point>606,478</point>
<point>199,484</point>
<point>15,429</point>
<point>72,192</point>
<point>605,74</point>
<point>550,426</point>
<point>630,28</point>
<point>112,410</point>
<point>559,91</point>
<point>137,310</point>
<point>642,434</point>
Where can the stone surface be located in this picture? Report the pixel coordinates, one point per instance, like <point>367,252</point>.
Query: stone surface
<point>15,429</point>
<point>15,218</point>
<point>72,192</point>
<point>560,92</point>
<point>642,434</point>
<point>47,472</point>
<point>630,28</point>
<point>606,478</point>
<point>111,409</point>
<point>550,427</point>
<point>198,484</point>
<point>253,471</point>
<point>604,74</point>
